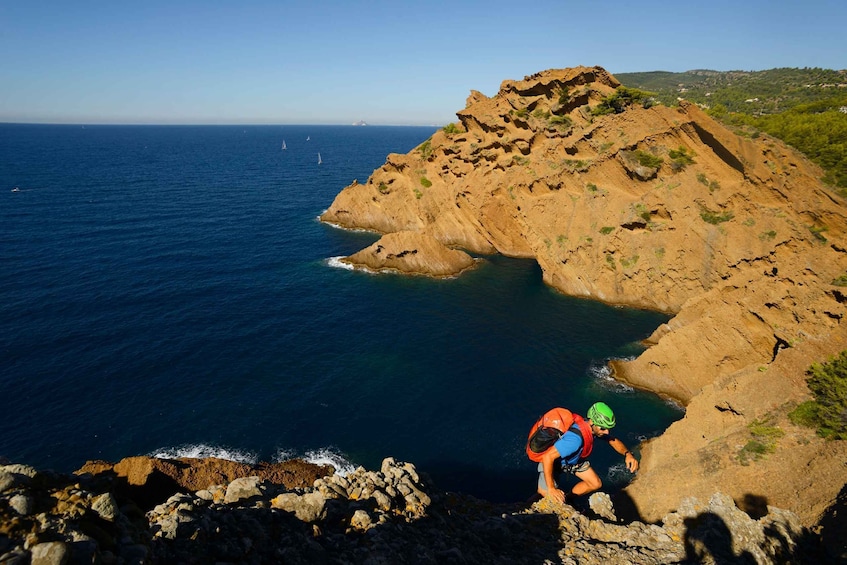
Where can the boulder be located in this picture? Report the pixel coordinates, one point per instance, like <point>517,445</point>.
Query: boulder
<point>309,507</point>
<point>243,489</point>
<point>50,553</point>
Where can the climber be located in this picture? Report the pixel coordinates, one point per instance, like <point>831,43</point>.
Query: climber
<point>570,454</point>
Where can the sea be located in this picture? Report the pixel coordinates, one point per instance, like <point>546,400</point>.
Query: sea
<point>170,291</point>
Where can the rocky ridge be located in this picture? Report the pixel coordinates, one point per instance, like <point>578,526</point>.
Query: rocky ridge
<point>653,207</point>
<point>393,515</point>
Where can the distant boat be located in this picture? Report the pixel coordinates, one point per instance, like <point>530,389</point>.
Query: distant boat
<point>283,145</point>
<point>319,159</point>
<point>308,138</point>
<point>16,189</point>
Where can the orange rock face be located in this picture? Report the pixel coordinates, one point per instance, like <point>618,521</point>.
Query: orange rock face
<point>150,480</point>
<point>654,207</point>
<point>412,253</point>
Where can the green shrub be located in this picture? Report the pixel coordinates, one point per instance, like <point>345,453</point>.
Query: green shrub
<point>753,450</point>
<point>418,194</point>
<point>647,159</point>
<point>425,148</point>
<point>606,230</point>
<point>767,235</point>
<point>806,414</point>
<point>828,411</point>
<point>618,101</point>
<point>841,280</point>
<point>680,158</point>
<point>564,95</point>
<point>817,231</point>
<point>576,165</point>
<point>681,154</point>
<point>541,114</point>
<point>701,178</point>
<point>763,442</point>
<point>564,121</point>
<point>627,263</point>
<point>425,182</point>
<point>451,128</point>
<point>642,212</point>
<point>382,188</point>
<point>714,217</point>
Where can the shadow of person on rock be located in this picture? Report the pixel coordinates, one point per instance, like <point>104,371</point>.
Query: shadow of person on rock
<point>754,505</point>
<point>708,540</point>
<point>833,528</point>
<point>626,509</point>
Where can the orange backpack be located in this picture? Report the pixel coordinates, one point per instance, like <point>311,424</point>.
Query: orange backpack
<point>553,425</point>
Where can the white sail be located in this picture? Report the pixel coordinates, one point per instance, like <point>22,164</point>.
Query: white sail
<point>319,159</point>
<point>283,145</point>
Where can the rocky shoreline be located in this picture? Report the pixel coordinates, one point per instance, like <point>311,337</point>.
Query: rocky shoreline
<point>122,514</point>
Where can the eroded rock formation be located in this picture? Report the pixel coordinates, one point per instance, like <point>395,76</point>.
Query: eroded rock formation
<point>661,208</point>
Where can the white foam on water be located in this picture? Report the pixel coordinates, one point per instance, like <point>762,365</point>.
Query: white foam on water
<point>201,451</point>
<point>602,374</point>
<point>340,227</point>
<point>284,455</point>
<point>337,263</point>
<point>619,474</point>
<point>324,456</point>
<point>674,404</point>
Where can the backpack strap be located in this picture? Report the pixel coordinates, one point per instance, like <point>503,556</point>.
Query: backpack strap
<point>587,436</point>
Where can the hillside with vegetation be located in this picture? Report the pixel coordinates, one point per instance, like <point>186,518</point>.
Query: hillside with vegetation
<point>806,108</point>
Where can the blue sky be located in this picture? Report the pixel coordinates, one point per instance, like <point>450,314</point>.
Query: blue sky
<point>398,62</point>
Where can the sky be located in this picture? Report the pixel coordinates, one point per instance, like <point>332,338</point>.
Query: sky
<point>391,63</point>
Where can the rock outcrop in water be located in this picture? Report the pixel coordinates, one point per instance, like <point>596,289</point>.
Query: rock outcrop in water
<point>652,207</point>
<point>393,515</point>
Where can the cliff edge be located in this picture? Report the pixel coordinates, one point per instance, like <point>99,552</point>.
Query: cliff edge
<point>656,207</point>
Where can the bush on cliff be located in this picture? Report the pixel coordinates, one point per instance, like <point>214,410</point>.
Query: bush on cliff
<point>828,411</point>
<point>451,128</point>
<point>622,97</point>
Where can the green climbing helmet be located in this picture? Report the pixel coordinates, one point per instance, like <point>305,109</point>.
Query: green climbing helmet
<point>602,415</point>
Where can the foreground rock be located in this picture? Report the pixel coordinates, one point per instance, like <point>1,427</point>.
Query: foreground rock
<point>662,208</point>
<point>151,480</point>
<point>393,515</point>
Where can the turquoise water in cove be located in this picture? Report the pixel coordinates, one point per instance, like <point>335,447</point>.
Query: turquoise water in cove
<point>168,290</point>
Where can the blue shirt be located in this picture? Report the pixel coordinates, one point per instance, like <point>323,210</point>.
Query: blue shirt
<point>569,446</point>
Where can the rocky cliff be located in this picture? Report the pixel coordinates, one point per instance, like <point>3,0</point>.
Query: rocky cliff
<point>142,510</point>
<point>654,207</point>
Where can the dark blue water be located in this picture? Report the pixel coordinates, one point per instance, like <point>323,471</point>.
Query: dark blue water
<point>167,290</point>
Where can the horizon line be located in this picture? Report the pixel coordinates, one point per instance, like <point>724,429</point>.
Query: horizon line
<point>209,124</point>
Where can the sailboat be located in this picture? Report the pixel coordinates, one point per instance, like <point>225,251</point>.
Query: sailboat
<point>283,145</point>
<point>319,159</point>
